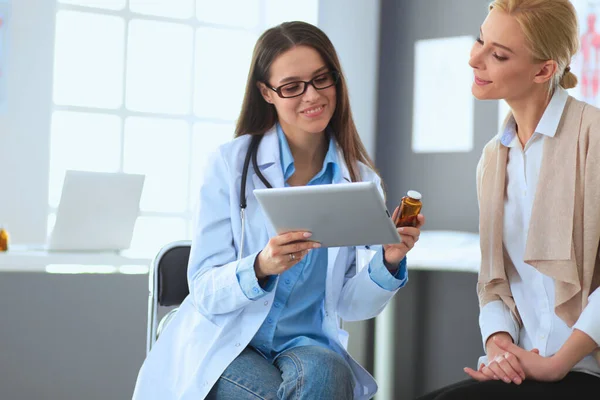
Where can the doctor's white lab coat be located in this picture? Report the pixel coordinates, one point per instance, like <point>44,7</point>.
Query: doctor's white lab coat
<point>217,321</point>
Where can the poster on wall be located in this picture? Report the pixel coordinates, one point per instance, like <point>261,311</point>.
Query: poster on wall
<point>443,103</point>
<point>586,63</point>
<point>4,21</point>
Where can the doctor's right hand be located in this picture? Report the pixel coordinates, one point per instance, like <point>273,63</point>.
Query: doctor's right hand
<point>282,253</point>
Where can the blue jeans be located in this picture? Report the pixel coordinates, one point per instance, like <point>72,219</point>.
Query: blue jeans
<point>304,373</point>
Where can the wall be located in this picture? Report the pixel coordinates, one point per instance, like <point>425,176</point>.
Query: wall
<point>25,125</point>
<point>353,27</point>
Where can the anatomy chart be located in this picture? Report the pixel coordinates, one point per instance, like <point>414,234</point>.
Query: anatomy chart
<point>586,64</point>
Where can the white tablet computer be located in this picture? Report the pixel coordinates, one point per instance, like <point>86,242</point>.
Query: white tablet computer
<point>344,214</point>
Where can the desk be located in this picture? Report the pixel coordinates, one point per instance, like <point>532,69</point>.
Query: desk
<point>23,259</point>
<point>446,251</point>
<point>435,251</point>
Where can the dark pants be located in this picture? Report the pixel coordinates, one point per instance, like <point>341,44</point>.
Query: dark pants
<point>574,385</point>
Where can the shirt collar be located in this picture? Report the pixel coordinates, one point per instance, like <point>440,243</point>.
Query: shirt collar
<point>548,124</point>
<point>287,160</point>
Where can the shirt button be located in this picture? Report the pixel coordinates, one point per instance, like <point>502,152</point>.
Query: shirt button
<point>287,281</point>
<point>255,290</point>
<point>266,303</point>
<point>276,305</point>
<point>237,345</point>
<point>270,320</point>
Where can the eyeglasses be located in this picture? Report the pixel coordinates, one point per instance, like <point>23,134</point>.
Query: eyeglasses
<point>297,88</point>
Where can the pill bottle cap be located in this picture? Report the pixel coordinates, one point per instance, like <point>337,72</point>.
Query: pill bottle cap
<point>414,194</point>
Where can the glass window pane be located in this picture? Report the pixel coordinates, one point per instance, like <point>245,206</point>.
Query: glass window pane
<point>159,148</point>
<point>164,8</point>
<point>219,88</point>
<point>159,67</point>
<point>277,11</point>
<point>108,4</point>
<point>239,13</point>
<point>206,138</point>
<point>88,63</point>
<point>82,141</point>
<point>152,233</point>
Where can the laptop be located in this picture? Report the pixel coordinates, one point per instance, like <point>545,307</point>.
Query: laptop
<point>97,212</point>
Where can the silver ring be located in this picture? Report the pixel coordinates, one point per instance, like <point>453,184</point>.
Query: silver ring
<point>292,256</point>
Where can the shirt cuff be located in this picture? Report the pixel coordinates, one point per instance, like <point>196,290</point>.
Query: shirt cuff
<point>588,321</point>
<point>247,280</point>
<point>495,317</point>
<point>382,276</point>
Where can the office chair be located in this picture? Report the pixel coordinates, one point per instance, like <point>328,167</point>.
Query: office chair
<point>168,285</point>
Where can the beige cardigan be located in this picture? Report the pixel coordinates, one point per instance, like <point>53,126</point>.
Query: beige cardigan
<point>564,230</point>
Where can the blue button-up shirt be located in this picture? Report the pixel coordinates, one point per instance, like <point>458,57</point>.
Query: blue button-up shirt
<point>296,317</point>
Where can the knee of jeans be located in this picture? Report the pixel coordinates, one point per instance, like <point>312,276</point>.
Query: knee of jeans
<point>331,367</point>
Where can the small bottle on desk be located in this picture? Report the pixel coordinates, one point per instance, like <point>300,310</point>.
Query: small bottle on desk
<point>410,207</point>
<point>3,239</point>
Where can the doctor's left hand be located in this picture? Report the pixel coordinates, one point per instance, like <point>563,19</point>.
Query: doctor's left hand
<point>394,253</point>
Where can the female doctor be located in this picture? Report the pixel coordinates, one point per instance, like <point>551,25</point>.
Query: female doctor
<point>262,317</point>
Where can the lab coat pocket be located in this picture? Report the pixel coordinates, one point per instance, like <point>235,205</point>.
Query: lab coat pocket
<point>194,335</point>
<point>222,320</point>
<point>205,334</point>
<point>343,337</point>
<point>179,351</point>
<point>364,255</point>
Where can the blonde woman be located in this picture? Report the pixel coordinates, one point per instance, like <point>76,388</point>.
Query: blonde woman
<point>538,185</point>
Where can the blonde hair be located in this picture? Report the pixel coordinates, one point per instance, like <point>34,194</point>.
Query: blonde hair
<point>551,32</point>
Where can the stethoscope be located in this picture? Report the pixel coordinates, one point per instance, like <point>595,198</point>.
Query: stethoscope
<point>250,154</point>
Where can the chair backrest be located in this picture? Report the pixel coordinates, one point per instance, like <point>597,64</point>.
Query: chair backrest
<point>172,273</point>
<point>168,284</point>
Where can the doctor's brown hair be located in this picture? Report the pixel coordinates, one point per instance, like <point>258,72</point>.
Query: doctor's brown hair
<point>257,116</point>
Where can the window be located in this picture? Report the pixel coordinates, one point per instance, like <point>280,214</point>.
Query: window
<point>153,87</point>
